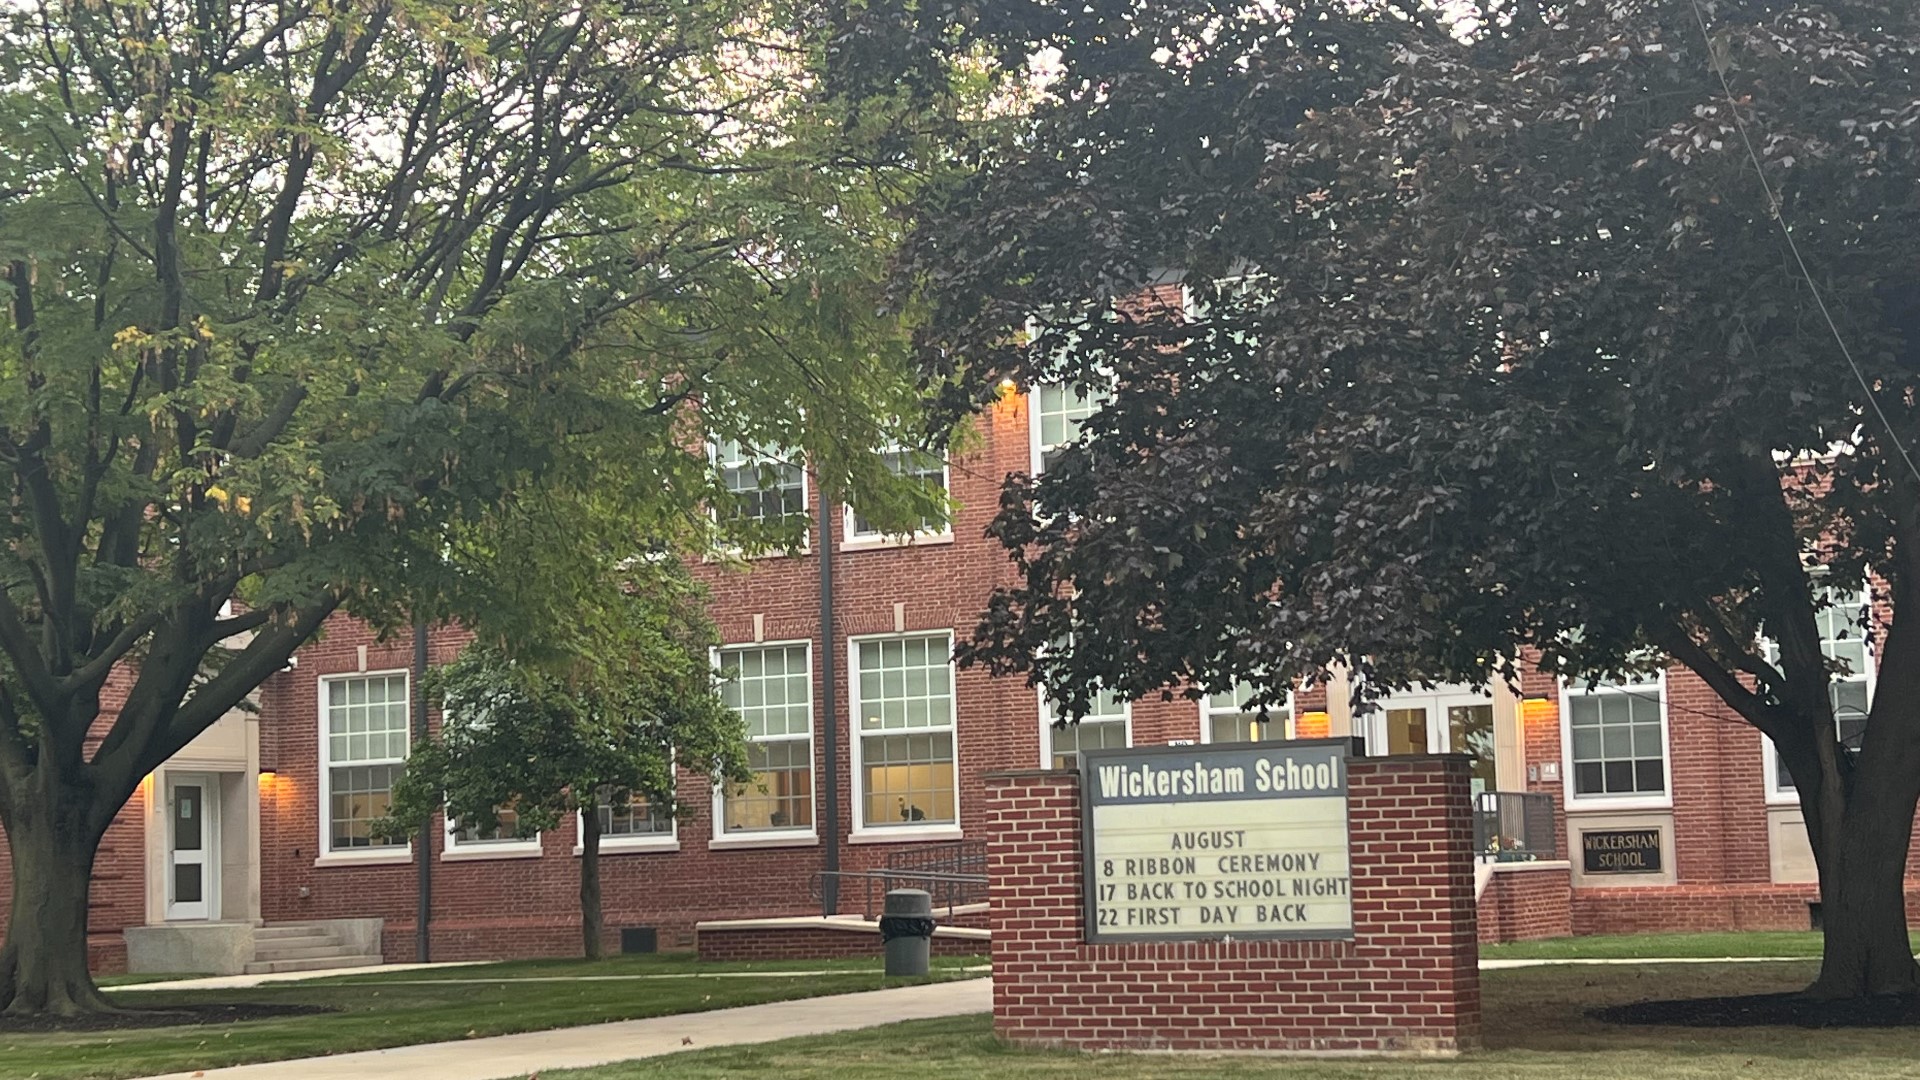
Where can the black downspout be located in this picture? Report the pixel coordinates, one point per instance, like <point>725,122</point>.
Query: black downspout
<point>830,882</point>
<point>423,891</point>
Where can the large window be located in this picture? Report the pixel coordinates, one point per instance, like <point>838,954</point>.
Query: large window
<point>1104,728</point>
<point>634,824</point>
<point>363,746</point>
<point>771,687</point>
<point>1617,739</point>
<point>918,466</point>
<point>1057,413</point>
<point>903,740</point>
<point>765,487</point>
<point>1226,717</point>
<point>466,840</point>
<point>1843,622</point>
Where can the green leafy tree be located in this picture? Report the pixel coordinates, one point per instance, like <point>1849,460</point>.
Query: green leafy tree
<point>553,737</point>
<point>1527,337</point>
<point>402,308</point>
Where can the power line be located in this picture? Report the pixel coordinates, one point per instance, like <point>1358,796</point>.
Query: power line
<point>1786,230</point>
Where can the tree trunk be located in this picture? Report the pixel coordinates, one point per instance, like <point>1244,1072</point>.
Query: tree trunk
<point>1863,911</point>
<point>590,923</point>
<point>43,967</point>
<point>1859,816</point>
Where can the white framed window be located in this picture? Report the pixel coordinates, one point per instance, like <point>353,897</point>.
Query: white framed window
<point>1614,738</point>
<point>364,733</point>
<point>1108,727</point>
<point>634,825</point>
<point>767,487</point>
<point>919,466</point>
<point>504,842</point>
<point>905,769</point>
<point>1844,623</point>
<point>771,687</point>
<point>1225,717</point>
<point>1055,413</point>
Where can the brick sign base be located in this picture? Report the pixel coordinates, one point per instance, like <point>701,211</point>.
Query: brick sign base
<point>1408,982</point>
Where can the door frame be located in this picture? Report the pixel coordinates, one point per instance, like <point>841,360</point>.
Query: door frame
<point>1436,701</point>
<point>208,909</point>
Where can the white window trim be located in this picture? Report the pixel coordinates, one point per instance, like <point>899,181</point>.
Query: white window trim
<point>852,541</point>
<point>862,833</point>
<point>458,850</point>
<point>627,845</point>
<point>1206,719</point>
<point>806,510</point>
<point>1036,449</point>
<point>1770,758</point>
<point>1664,801</point>
<point>806,837</point>
<point>1047,729</point>
<point>394,853</point>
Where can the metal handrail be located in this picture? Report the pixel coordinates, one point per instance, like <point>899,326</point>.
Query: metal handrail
<point>955,888</point>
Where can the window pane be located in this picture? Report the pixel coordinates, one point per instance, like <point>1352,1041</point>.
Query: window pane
<point>780,795</point>
<point>635,817</point>
<point>358,797</point>
<point>909,779</point>
<point>1086,735</point>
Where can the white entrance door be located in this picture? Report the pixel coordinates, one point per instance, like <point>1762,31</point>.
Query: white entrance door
<point>1445,720</point>
<point>193,846</point>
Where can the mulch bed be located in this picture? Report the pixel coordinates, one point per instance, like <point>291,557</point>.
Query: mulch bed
<point>171,1016</point>
<point>1767,1010</point>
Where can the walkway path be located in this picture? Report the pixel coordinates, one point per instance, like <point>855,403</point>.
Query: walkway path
<point>505,1056</point>
<point>1503,965</point>
<point>244,982</point>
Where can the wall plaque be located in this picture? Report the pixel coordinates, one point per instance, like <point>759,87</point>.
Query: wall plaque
<point>1207,842</point>
<point>1620,851</point>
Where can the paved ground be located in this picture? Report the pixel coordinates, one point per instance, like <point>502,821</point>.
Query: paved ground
<point>506,1056</point>
<point>1502,965</point>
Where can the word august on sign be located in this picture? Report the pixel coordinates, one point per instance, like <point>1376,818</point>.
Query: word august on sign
<point>1245,841</point>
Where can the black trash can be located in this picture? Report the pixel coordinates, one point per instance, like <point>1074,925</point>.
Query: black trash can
<point>906,929</point>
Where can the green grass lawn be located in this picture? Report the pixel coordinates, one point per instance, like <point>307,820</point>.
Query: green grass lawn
<point>401,1008</point>
<point>1536,1029</point>
<point>1662,946</point>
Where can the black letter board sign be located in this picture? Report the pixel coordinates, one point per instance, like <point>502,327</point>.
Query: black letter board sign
<point>1621,851</point>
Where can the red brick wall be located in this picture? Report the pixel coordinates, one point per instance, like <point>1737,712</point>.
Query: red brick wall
<point>795,943</point>
<point>1408,982</point>
<point>1527,903</point>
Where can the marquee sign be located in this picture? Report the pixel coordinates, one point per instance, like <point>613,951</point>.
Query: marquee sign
<point>1194,842</point>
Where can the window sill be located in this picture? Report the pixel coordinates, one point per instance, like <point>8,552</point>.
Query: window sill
<point>1601,804</point>
<point>908,834</point>
<point>650,846</point>
<point>734,554</point>
<point>882,543</point>
<point>478,854</point>
<point>1783,798</point>
<point>739,840</point>
<point>396,857</point>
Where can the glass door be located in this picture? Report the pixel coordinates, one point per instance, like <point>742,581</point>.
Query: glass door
<point>190,846</point>
<point>1446,720</point>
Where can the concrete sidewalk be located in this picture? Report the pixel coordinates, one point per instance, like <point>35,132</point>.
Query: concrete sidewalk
<point>245,982</point>
<point>507,1056</point>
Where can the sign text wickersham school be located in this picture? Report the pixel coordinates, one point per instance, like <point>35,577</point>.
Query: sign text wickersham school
<point>1208,842</point>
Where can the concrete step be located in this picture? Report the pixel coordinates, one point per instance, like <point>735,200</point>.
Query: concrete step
<point>284,930</point>
<point>318,963</point>
<point>313,952</point>
<point>309,941</point>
